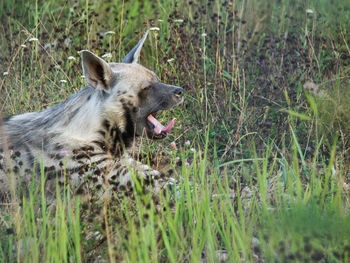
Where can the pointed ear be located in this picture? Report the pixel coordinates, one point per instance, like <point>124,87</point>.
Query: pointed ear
<point>97,72</point>
<point>134,54</point>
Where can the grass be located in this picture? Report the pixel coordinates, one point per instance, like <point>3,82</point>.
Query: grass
<point>265,176</point>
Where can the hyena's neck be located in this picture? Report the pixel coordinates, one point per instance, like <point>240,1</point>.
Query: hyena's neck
<point>91,120</point>
<point>82,120</point>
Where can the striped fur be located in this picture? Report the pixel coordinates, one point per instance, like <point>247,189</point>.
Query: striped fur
<point>86,136</point>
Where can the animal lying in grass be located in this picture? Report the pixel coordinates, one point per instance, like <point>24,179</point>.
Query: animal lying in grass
<point>86,135</point>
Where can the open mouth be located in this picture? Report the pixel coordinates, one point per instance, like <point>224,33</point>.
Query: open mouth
<point>159,129</point>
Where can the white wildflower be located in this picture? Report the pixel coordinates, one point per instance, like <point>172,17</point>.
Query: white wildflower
<point>107,55</point>
<point>63,81</point>
<point>154,29</point>
<point>71,58</point>
<point>204,34</point>
<point>309,11</point>
<point>33,39</point>
<point>67,41</point>
<point>178,20</point>
<point>5,73</point>
<point>23,46</point>
<point>82,76</point>
<point>160,20</point>
<point>170,59</point>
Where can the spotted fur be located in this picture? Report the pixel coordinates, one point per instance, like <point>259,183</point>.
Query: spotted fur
<point>86,136</point>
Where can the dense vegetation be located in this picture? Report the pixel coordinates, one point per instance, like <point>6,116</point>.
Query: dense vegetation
<point>262,158</point>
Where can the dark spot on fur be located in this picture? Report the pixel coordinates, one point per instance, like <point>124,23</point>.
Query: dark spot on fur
<point>102,133</point>
<point>82,155</point>
<point>106,124</point>
<point>100,144</point>
<point>58,147</point>
<point>80,191</point>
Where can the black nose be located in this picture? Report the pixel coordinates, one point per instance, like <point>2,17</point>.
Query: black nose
<point>179,92</point>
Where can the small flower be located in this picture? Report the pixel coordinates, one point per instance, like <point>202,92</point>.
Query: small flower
<point>170,59</point>
<point>154,29</point>
<point>309,11</point>
<point>204,34</point>
<point>107,55</point>
<point>173,145</point>
<point>192,149</point>
<point>160,20</point>
<point>71,58</point>
<point>64,153</point>
<point>63,81</point>
<point>24,46</point>
<point>187,164</point>
<point>178,20</point>
<point>33,39</point>
<point>5,73</point>
<point>67,41</point>
<point>82,76</point>
<point>187,142</point>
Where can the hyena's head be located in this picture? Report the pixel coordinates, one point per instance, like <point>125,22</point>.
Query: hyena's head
<point>133,93</point>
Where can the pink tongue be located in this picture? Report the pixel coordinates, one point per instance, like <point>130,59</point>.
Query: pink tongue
<point>158,127</point>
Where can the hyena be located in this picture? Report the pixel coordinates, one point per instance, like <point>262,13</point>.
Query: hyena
<point>87,135</point>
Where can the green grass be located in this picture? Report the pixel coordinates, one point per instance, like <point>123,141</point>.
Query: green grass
<point>266,174</point>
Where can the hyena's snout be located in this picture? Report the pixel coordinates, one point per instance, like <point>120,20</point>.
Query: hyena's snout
<point>177,95</point>
<point>178,92</point>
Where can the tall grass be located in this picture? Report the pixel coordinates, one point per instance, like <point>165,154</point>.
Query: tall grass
<point>265,176</point>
